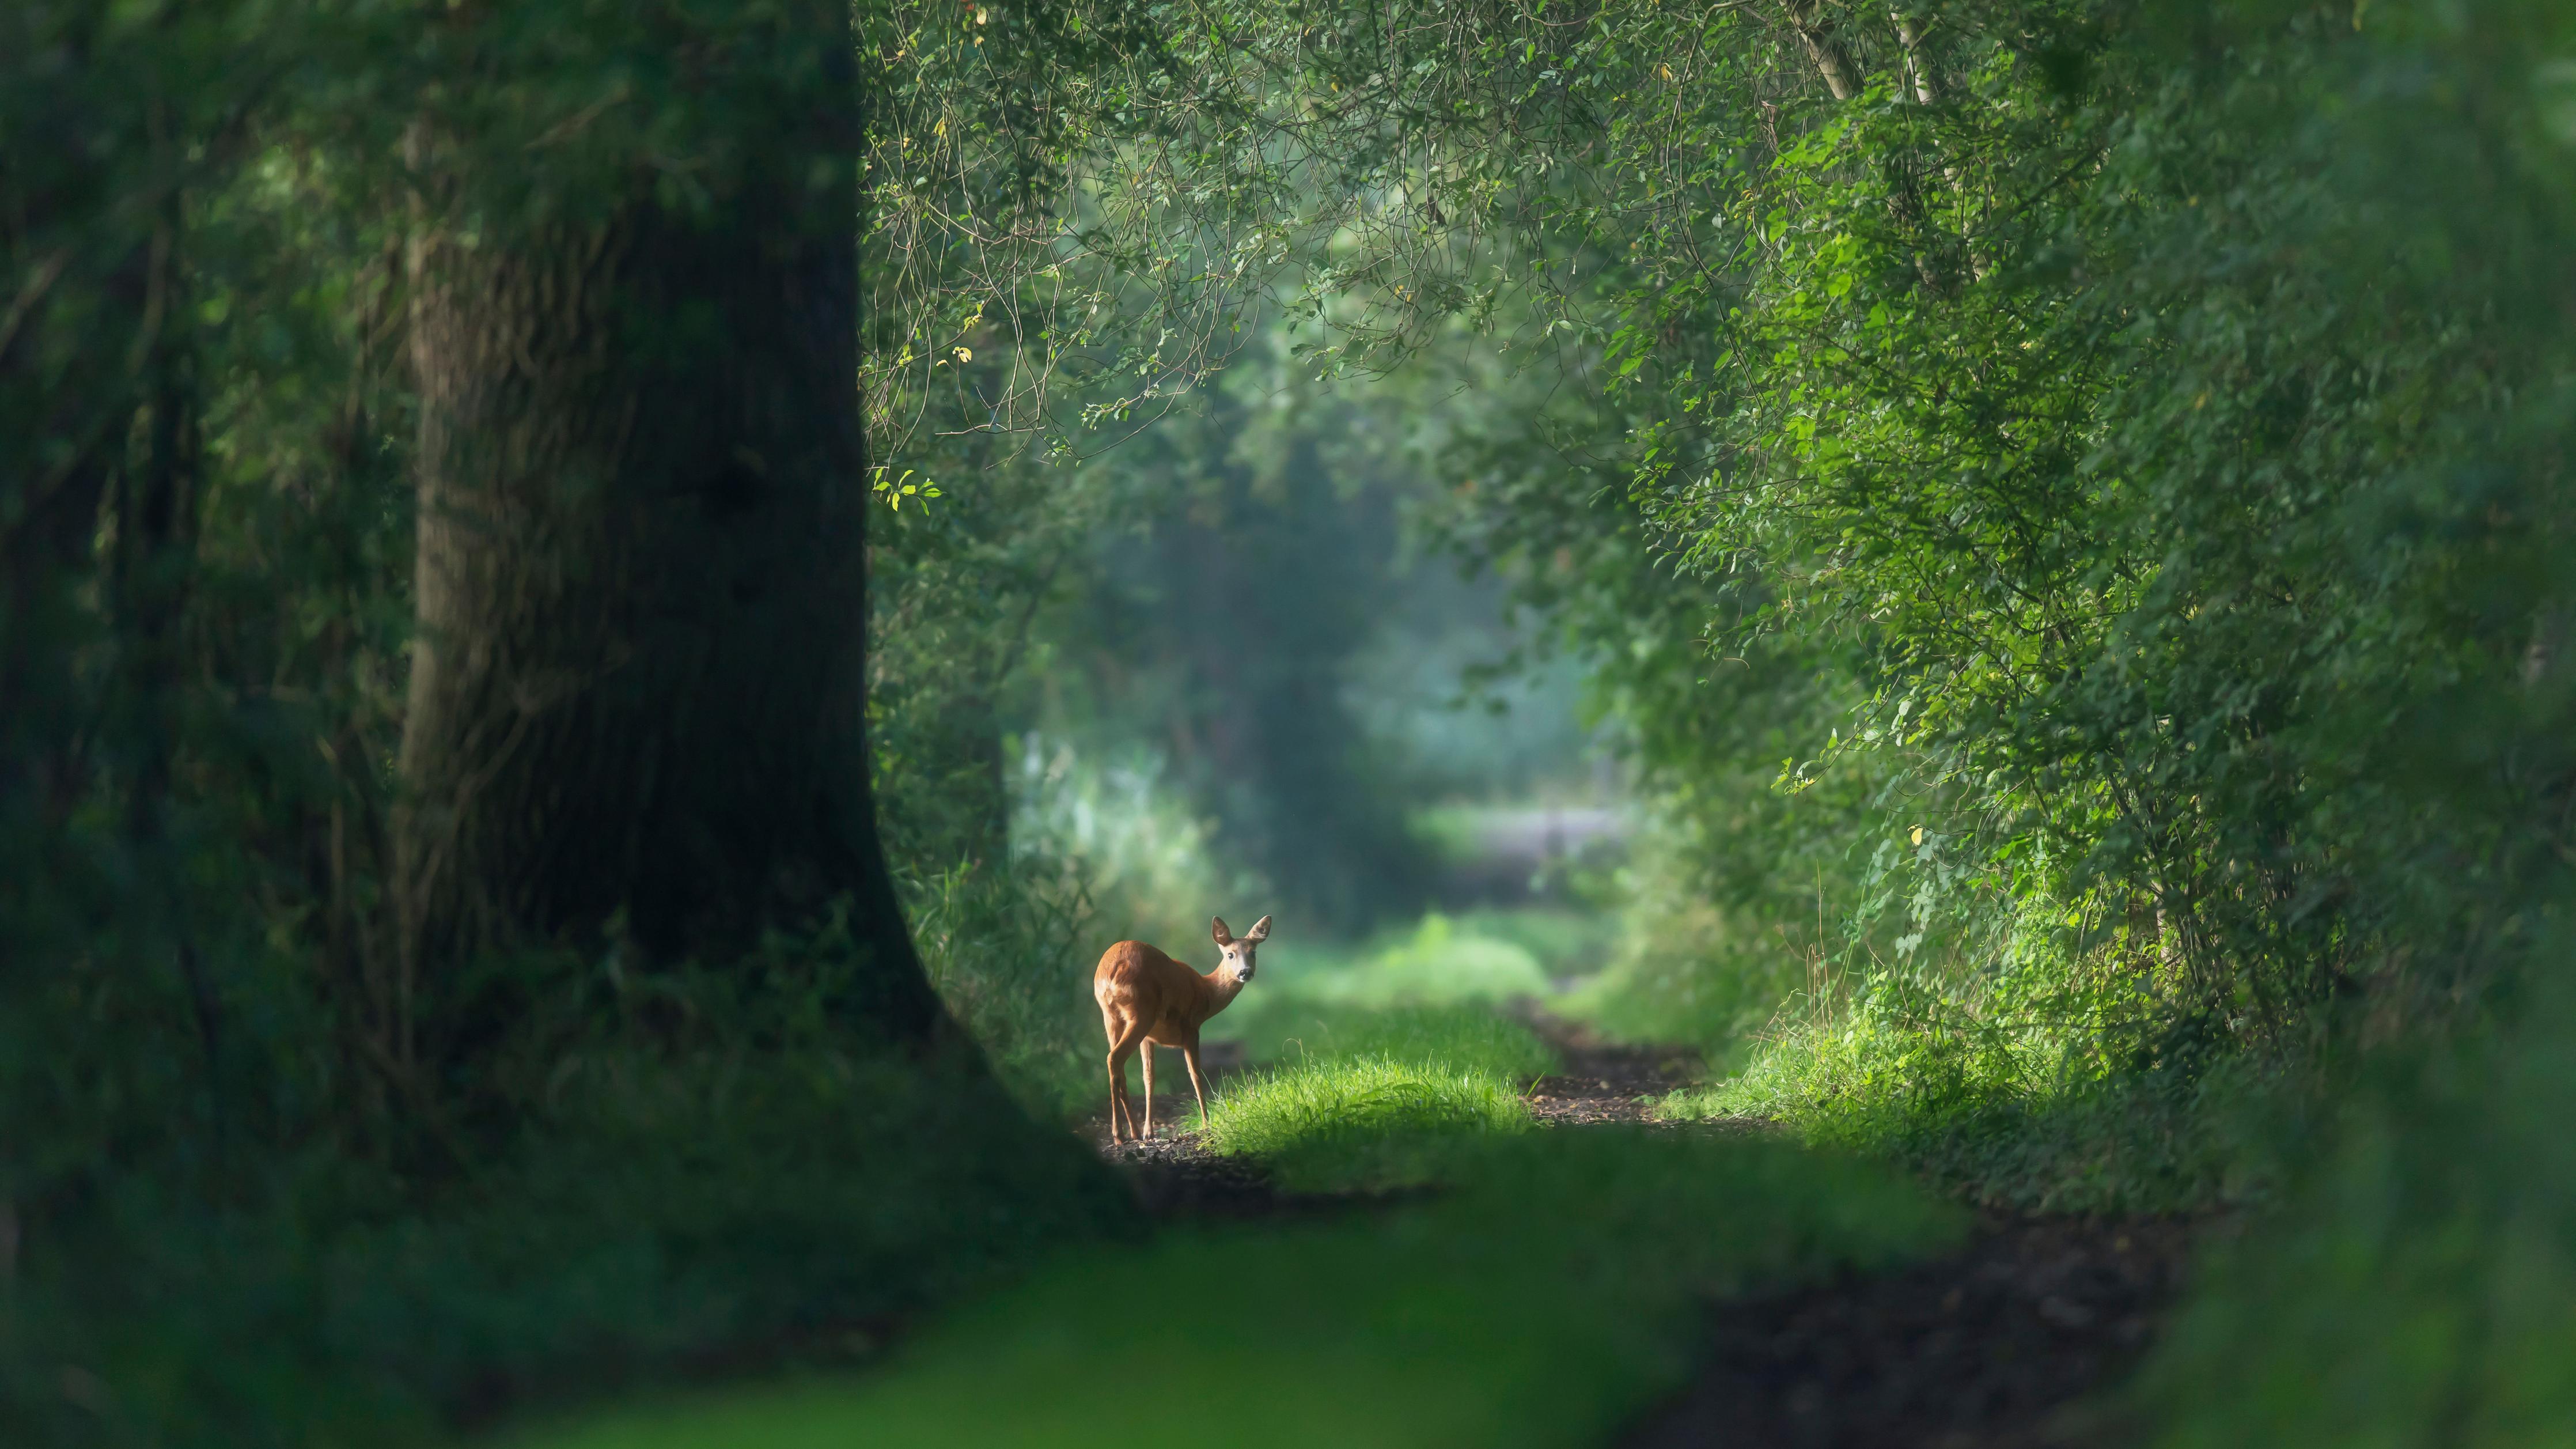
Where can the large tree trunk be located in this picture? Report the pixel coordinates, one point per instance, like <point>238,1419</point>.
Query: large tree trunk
<point>637,697</point>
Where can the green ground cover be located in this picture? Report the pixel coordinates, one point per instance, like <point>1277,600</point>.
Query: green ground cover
<point>2417,1285</point>
<point>1539,1302</point>
<point>1378,1096</point>
<point>1364,1122</point>
<point>1374,1059</point>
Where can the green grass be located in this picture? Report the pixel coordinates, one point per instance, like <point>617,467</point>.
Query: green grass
<point>1566,942</point>
<point>1363,1122</point>
<point>1542,1302</point>
<point>1360,1098</point>
<point>1379,1061</point>
<point>711,1178</point>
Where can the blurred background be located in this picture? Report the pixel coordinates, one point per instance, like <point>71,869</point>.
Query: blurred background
<point>1255,659</point>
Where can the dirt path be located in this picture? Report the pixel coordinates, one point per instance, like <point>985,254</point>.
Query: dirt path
<point>1608,1081</point>
<point>1997,1347</point>
<point>2008,1344</point>
<point>1175,1176</point>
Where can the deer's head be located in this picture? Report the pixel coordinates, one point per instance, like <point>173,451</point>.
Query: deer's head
<point>1238,949</point>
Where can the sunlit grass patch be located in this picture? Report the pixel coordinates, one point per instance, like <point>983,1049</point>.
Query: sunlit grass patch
<point>1543,1302</point>
<point>1359,1121</point>
<point>1364,1098</point>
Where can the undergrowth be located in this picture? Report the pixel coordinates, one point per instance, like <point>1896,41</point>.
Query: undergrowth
<point>1685,968</point>
<point>695,1163</point>
<point>2029,1110</point>
<point>1005,950</point>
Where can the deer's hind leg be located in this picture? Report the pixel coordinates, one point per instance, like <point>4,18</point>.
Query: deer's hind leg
<point>1124,1036</point>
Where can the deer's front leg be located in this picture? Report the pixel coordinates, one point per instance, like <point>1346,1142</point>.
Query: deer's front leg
<point>1190,1054</point>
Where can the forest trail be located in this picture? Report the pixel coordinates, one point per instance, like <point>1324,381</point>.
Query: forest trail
<point>2007,1343</point>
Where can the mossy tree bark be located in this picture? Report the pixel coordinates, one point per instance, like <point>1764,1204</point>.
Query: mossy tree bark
<point>637,697</point>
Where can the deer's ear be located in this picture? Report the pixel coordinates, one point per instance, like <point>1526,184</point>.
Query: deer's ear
<point>1260,931</point>
<point>1224,937</point>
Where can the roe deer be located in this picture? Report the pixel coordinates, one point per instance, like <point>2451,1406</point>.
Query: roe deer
<point>1147,1000</point>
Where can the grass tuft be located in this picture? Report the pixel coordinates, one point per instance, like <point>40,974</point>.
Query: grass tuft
<point>1361,1122</point>
<point>1366,1099</point>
